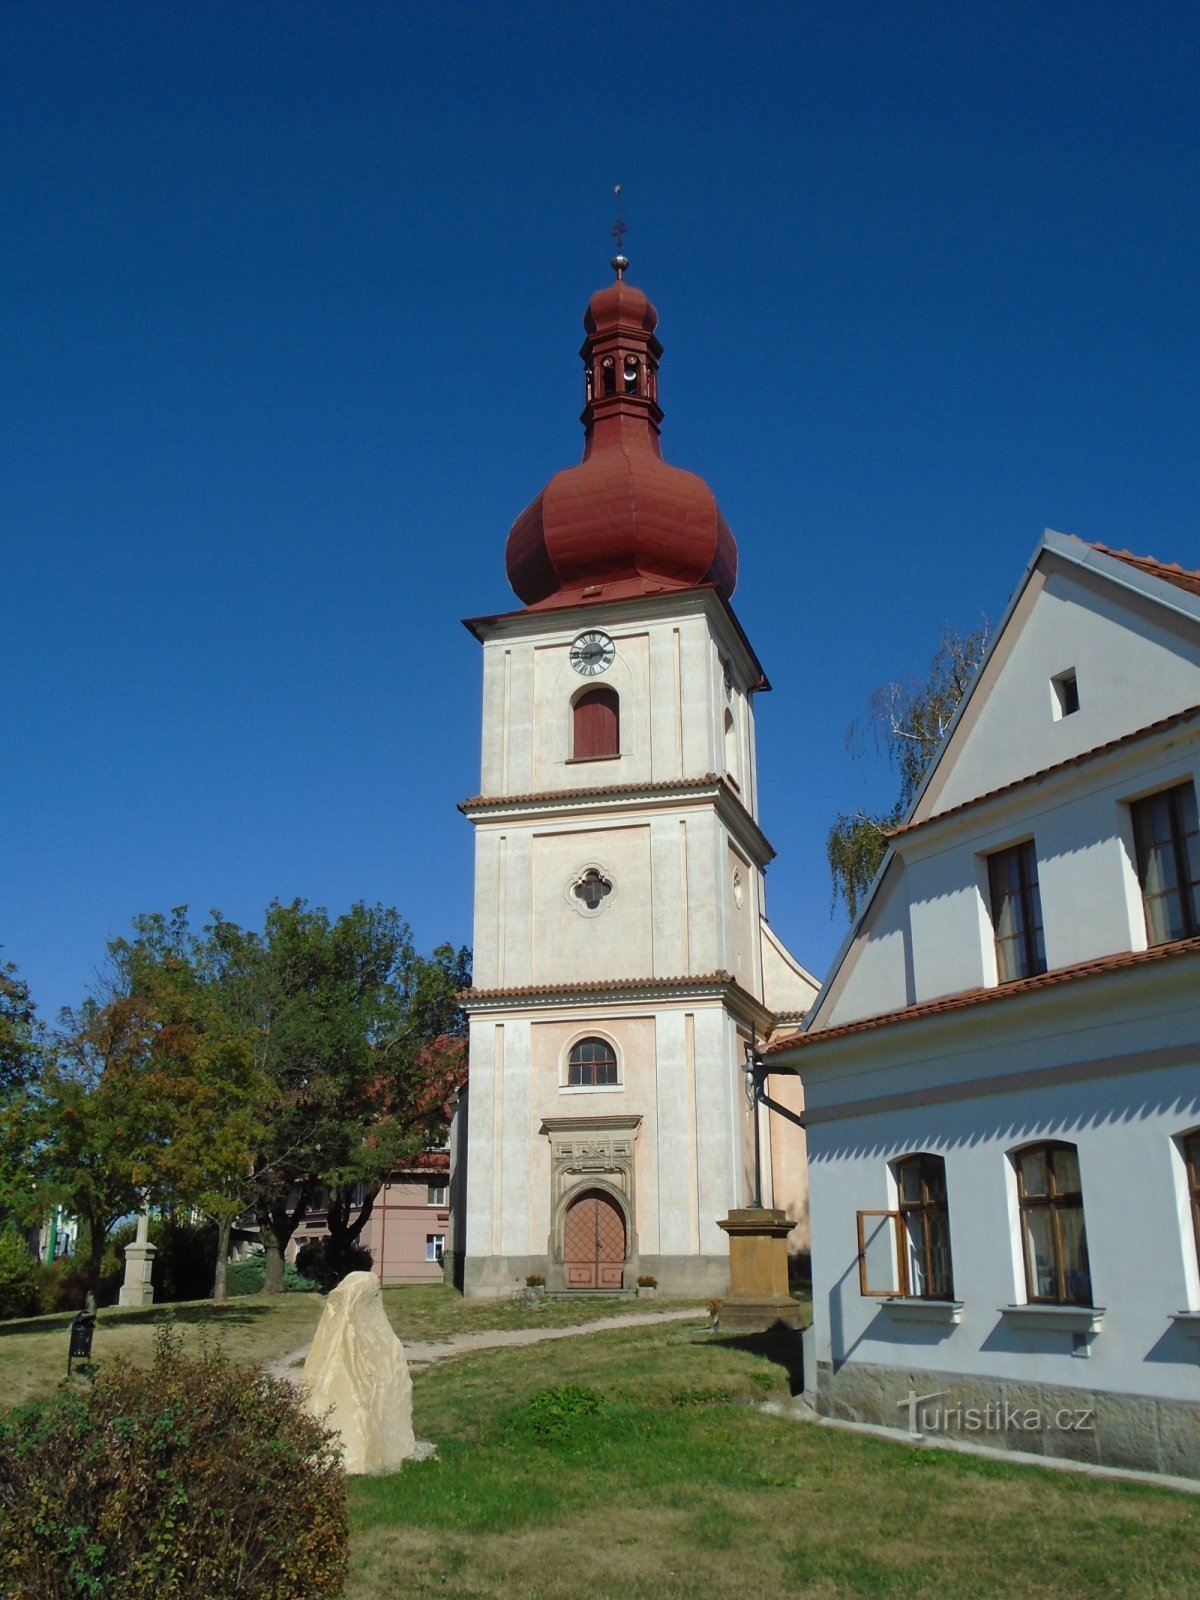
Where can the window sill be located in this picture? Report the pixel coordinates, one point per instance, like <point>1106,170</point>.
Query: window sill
<point>909,1308</point>
<point>587,761</point>
<point>1188,1323</point>
<point>590,1088</point>
<point>1083,1323</point>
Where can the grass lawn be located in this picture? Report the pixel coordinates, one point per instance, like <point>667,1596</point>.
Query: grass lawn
<point>663,1481</point>
<point>677,1487</point>
<point>259,1329</point>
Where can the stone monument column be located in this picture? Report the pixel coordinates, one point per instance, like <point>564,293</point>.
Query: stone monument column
<point>137,1290</point>
<point>758,1271</point>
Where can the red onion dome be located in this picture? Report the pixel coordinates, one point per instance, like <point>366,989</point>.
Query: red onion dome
<point>622,520</point>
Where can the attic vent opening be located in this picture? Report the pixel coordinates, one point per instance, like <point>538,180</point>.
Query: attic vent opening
<point>1066,694</point>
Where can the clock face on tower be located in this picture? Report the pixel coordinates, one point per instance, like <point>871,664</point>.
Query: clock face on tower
<point>592,654</point>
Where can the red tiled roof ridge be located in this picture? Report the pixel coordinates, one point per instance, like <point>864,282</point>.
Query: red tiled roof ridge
<point>1002,991</point>
<point>1161,726</point>
<point>656,786</point>
<point>602,986</point>
<point>1171,571</point>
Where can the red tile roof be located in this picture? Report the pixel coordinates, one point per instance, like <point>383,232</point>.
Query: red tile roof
<point>603,986</point>
<point>1003,991</point>
<point>1172,572</point>
<point>1151,728</point>
<point>479,802</point>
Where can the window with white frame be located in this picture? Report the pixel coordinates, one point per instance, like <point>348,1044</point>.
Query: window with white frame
<point>1053,1236</point>
<point>1016,912</point>
<point>435,1246</point>
<point>1190,1146</point>
<point>435,1193</point>
<point>1166,831</point>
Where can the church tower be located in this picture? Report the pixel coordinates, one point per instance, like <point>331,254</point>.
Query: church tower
<point>622,960</point>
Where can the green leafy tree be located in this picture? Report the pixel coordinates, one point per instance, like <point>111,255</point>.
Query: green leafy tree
<point>340,1019</point>
<point>21,1046</point>
<point>908,722</point>
<point>20,1035</point>
<point>91,1142</point>
<point>207,1097</point>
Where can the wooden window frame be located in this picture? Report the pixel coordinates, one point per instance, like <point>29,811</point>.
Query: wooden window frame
<point>900,1245</point>
<point>581,1066</point>
<point>1187,890</point>
<point>918,1215</point>
<point>1055,1201</point>
<point>596,711</point>
<point>1189,1145</point>
<point>1029,899</point>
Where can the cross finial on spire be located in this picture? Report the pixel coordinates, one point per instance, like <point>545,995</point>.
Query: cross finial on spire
<point>620,261</point>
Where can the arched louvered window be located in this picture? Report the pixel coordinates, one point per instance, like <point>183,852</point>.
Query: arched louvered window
<point>597,725</point>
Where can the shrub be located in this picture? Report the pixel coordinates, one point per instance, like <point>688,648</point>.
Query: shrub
<point>647,1282</point>
<point>197,1480</point>
<point>317,1261</point>
<point>553,1414</point>
<point>247,1276</point>
<point>535,1280</point>
<point>18,1275</point>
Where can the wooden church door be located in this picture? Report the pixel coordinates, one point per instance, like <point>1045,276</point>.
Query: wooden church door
<point>594,1243</point>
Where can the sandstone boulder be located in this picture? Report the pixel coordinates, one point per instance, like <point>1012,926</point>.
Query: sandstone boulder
<point>356,1377</point>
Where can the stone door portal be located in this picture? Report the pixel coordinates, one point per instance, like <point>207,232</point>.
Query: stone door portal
<point>594,1243</point>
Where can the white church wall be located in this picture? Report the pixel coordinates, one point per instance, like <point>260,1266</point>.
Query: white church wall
<point>675,1193</point>
<point>570,942</point>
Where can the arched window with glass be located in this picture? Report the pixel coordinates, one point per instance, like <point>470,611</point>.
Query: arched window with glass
<point>921,1192</point>
<point>592,1064</point>
<point>1053,1236</point>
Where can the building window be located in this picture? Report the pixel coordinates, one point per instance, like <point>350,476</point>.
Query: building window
<point>1167,838</point>
<point>1053,1238</point>
<point>1066,694</point>
<point>1016,912</point>
<point>1191,1159</point>
<point>921,1184</point>
<point>435,1194</point>
<point>906,1253</point>
<point>592,1064</point>
<point>435,1246</point>
<point>596,730</point>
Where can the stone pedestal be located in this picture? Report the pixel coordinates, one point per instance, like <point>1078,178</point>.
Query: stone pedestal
<point>758,1272</point>
<point>137,1289</point>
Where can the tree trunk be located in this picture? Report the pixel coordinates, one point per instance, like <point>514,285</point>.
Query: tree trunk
<point>273,1278</point>
<point>96,1244</point>
<point>224,1228</point>
<point>343,1233</point>
<point>277,1225</point>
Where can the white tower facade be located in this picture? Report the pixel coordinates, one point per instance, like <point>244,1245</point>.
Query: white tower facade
<point>622,961</point>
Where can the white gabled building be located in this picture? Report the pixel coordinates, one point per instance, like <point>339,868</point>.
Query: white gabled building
<point>1002,1072</point>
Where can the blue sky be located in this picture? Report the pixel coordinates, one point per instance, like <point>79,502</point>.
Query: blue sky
<point>291,296</point>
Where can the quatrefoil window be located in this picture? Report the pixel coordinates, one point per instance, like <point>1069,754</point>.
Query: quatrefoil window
<point>592,888</point>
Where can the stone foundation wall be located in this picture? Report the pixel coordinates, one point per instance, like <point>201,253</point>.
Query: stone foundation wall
<point>701,1277</point>
<point>1078,1424</point>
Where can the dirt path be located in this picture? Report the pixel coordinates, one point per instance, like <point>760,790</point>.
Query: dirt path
<point>421,1354</point>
